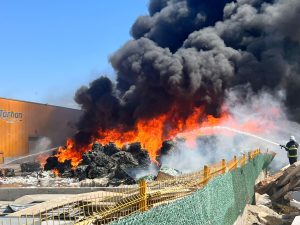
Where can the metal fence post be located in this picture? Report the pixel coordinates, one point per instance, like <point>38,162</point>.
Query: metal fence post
<point>249,156</point>
<point>244,160</point>
<point>235,162</point>
<point>206,174</point>
<point>143,196</point>
<point>223,166</point>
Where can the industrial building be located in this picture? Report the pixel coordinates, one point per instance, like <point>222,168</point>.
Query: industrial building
<point>27,127</point>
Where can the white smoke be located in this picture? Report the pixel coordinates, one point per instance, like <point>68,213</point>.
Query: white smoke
<point>263,112</point>
<point>41,145</point>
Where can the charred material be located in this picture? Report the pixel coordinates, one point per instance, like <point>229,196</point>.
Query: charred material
<point>139,153</point>
<point>9,172</point>
<point>109,149</point>
<point>105,162</point>
<point>30,167</point>
<point>166,149</point>
<point>52,163</point>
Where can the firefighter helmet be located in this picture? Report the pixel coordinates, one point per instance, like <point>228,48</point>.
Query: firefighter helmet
<point>292,138</point>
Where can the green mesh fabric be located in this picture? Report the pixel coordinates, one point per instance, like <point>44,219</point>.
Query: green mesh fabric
<point>218,203</point>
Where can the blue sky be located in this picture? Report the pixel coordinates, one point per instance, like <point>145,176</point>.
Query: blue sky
<point>50,48</point>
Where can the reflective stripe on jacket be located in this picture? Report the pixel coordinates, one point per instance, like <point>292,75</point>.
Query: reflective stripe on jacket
<point>292,149</point>
<point>292,152</point>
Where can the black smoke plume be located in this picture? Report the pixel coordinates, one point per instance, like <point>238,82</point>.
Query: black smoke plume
<point>188,53</point>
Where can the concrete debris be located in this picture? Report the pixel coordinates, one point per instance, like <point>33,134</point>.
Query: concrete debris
<point>266,184</point>
<point>281,183</point>
<point>166,173</point>
<point>263,200</point>
<point>277,199</point>
<point>296,220</point>
<point>259,215</point>
<point>262,215</point>
<point>295,204</point>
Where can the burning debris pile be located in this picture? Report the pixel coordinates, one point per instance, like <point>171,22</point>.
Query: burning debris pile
<point>104,161</point>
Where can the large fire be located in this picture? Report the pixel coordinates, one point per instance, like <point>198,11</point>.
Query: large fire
<point>152,132</point>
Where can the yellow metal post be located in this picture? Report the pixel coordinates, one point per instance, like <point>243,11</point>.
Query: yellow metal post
<point>235,162</point>
<point>206,174</point>
<point>249,156</point>
<point>223,166</point>
<point>244,160</point>
<point>143,195</point>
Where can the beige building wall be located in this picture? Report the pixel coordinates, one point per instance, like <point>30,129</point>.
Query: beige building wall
<point>24,124</point>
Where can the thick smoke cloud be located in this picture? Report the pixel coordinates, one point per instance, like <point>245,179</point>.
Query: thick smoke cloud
<point>171,21</point>
<point>188,53</point>
<point>244,106</point>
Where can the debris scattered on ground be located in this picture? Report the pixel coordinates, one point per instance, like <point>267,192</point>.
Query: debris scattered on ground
<point>166,173</point>
<point>263,200</point>
<point>260,214</point>
<point>281,183</point>
<point>278,193</point>
<point>39,179</point>
<point>103,166</point>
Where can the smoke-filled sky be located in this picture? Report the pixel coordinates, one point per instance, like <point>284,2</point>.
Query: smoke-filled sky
<point>187,53</point>
<point>48,49</point>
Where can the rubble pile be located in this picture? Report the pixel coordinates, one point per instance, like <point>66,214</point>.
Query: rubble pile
<point>275,203</point>
<point>103,165</point>
<point>281,183</point>
<point>105,161</point>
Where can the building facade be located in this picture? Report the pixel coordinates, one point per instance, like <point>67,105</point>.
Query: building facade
<point>27,127</point>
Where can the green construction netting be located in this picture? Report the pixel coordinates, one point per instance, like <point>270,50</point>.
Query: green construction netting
<point>221,201</point>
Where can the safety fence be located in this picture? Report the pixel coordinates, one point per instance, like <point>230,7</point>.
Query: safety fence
<point>219,202</point>
<point>104,207</point>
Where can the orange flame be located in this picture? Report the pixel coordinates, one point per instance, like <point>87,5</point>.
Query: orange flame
<point>56,172</point>
<point>152,132</point>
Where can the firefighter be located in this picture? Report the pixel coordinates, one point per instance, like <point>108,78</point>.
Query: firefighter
<point>292,149</point>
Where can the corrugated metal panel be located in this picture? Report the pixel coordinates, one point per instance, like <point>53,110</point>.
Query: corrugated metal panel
<point>21,120</point>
